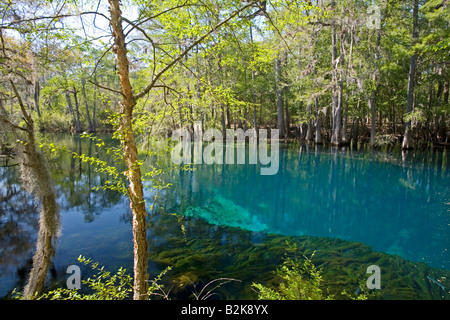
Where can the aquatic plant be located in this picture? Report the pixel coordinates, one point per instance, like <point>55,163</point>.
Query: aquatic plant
<point>207,251</point>
<point>224,212</point>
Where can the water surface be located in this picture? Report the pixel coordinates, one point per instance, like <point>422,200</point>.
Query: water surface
<point>396,202</point>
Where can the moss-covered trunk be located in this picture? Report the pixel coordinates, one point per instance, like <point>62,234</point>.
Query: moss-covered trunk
<point>36,179</point>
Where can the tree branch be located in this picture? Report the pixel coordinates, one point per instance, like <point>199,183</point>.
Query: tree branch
<point>161,13</point>
<point>4,119</point>
<point>59,16</point>
<point>186,51</point>
<point>138,28</point>
<point>106,88</point>
<point>100,59</point>
<point>26,116</point>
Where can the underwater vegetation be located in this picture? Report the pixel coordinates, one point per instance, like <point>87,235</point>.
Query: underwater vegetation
<point>200,252</point>
<point>224,212</point>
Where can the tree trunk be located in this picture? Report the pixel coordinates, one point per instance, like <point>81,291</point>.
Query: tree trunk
<point>94,107</point>
<point>34,165</point>
<point>373,93</point>
<point>318,138</point>
<point>335,109</point>
<point>37,92</point>
<point>279,93</point>
<point>135,188</point>
<point>443,124</point>
<point>222,121</point>
<point>371,103</point>
<point>287,120</point>
<point>255,120</point>
<point>407,139</point>
<point>349,60</point>
<point>36,179</point>
<point>438,104</point>
<point>309,130</point>
<point>77,110</point>
<point>341,88</point>
<point>70,107</point>
<point>228,113</point>
<point>90,128</point>
<point>344,133</point>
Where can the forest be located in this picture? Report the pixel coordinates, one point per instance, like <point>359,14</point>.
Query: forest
<point>320,71</point>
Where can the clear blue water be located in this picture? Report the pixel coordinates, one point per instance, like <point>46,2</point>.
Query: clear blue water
<point>398,203</point>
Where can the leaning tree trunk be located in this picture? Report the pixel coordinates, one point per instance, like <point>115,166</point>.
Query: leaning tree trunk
<point>135,188</point>
<point>36,176</point>
<point>407,139</point>
<point>36,179</point>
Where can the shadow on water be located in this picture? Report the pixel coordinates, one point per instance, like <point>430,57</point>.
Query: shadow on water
<point>231,221</point>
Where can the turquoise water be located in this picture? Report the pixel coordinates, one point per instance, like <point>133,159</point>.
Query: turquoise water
<point>398,203</point>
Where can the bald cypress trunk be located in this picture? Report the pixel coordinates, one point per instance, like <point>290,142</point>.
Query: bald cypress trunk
<point>279,93</point>
<point>88,116</point>
<point>77,111</point>
<point>335,98</point>
<point>407,138</point>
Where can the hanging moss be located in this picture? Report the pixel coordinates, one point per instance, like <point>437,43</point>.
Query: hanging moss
<point>36,179</point>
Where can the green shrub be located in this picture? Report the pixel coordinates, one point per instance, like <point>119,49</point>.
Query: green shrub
<point>54,122</point>
<point>104,286</point>
<point>299,279</point>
